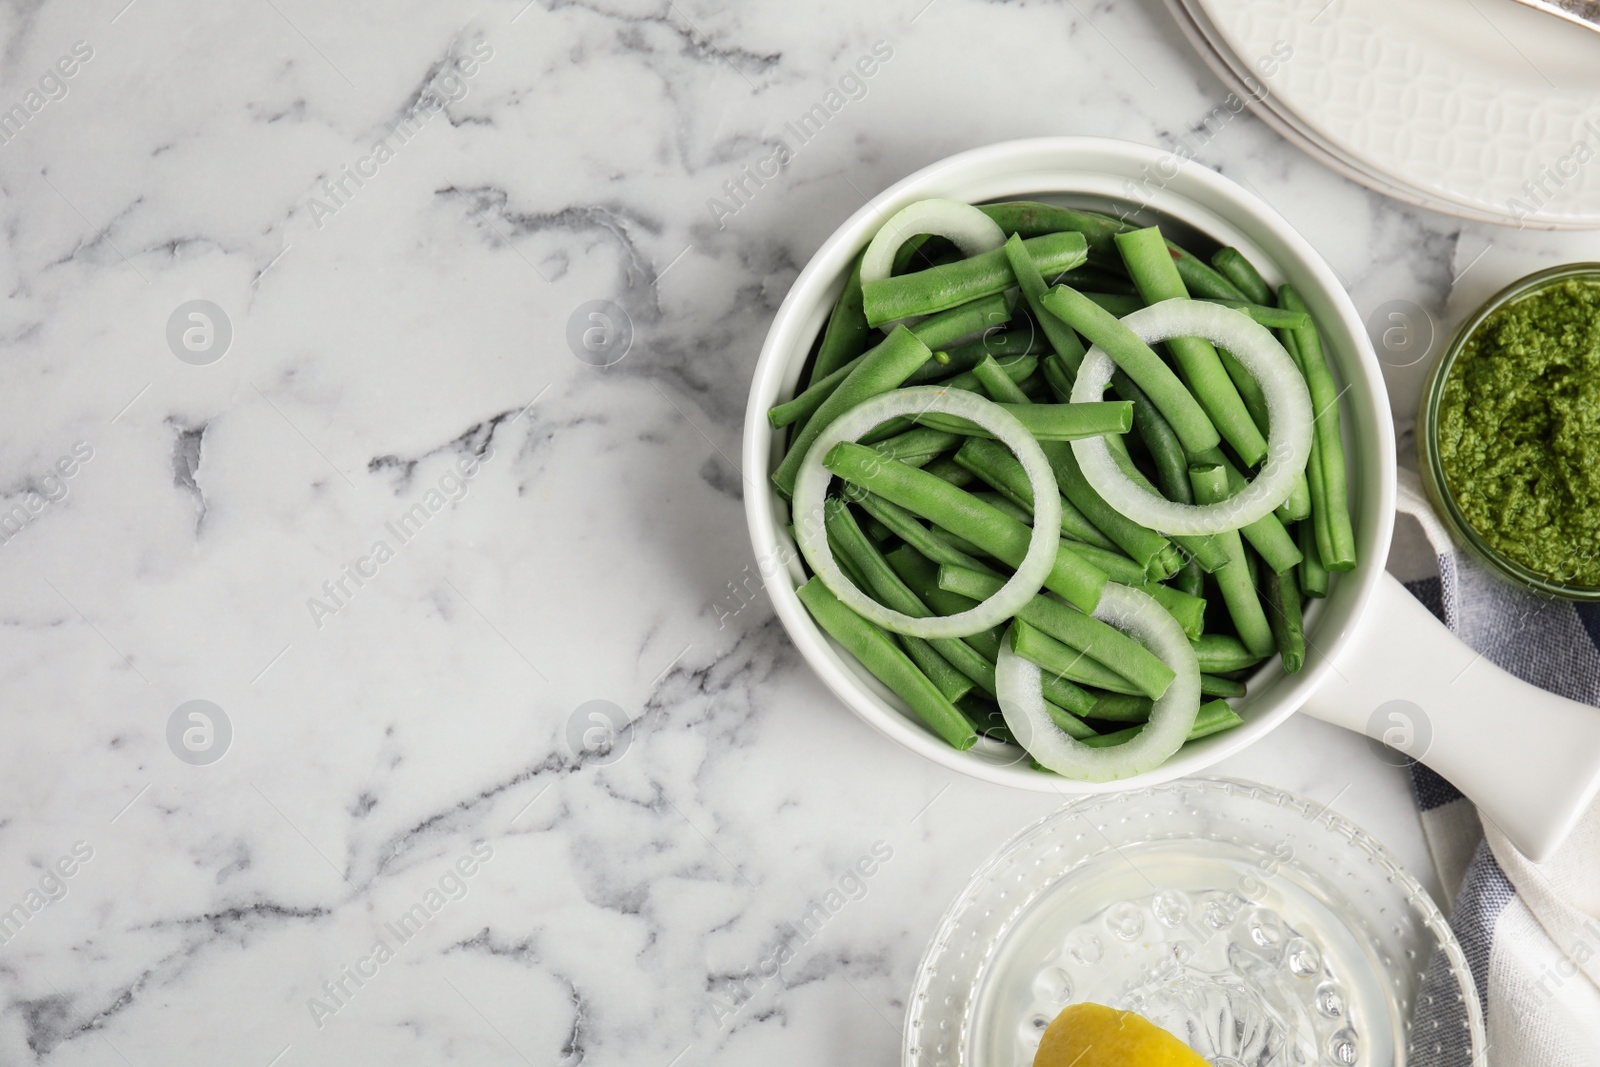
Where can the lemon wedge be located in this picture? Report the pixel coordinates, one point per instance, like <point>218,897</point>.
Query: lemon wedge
<point>1093,1035</point>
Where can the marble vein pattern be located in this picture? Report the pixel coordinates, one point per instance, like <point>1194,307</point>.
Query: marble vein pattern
<point>383,676</point>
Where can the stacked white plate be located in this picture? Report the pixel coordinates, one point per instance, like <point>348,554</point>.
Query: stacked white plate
<point>1484,109</point>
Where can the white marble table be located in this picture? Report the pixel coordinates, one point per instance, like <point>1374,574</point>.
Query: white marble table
<point>399,768</point>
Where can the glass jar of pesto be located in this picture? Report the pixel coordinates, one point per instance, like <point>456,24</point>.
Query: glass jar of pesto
<point>1509,432</point>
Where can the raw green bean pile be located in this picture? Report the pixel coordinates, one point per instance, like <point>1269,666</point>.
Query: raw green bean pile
<point>929,514</point>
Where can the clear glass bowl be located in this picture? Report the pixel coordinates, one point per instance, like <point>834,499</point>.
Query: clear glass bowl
<point>1258,926</point>
<point>1431,467</point>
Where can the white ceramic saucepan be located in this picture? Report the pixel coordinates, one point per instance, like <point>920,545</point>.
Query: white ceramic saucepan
<point>1377,661</point>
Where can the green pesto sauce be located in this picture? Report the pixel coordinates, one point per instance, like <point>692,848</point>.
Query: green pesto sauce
<point>1519,431</point>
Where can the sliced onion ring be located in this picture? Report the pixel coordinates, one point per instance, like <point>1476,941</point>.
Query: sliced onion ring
<point>811,486</point>
<point>970,229</point>
<point>1171,717</point>
<point>1288,413</point>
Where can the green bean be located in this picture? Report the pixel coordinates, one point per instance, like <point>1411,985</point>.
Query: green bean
<point>1068,723</point>
<point>1061,661</point>
<point>948,470</point>
<point>963,545</point>
<point>1071,725</point>
<point>1063,693</point>
<point>1062,340</point>
<point>934,331</point>
<point>1095,278</point>
<point>1337,546</point>
<point>1116,564</point>
<point>1002,345</point>
<point>1266,534</point>
<point>997,383</point>
<point>1213,685</point>
<point>1263,315</point>
<point>911,249</point>
<point>1213,717</point>
<point>1046,422</point>
<point>891,590</point>
<point>1147,369</point>
<point>886,662</point>
<point>1018,368</point>
<point>1146,547</point>
<point>871,573</point>
<point>1121,707</point>
<point>1104,643</point>
<point>1153,271</point>
<point>919,444</point>
<point>965,516</point>
<point>847,332</point>
<point>986,717</point>
<point>1116,706</point>
<point>1035,388</point>
<point>1283,612</point>
<point>993,463</point>
<point>921,576</point>
<point>846,564</point>
<point>937,288</point>
<point>1232,265</point>
<point>1172,465</point>
<point>1058,374</point>
<point>1222,653</point>
<point>1166,451</point>
<point>1119,304</point>
<point>807,402</point>
<point>964,320</point>
<point>1028,218</point>
<point>1191,578</point>
<point>931,544</point>
<point>1187,608</point>
<point>877,530</point>
<point>1096,675</point>
<point>1202,548</point>
<point>1255,401</point>
<point>882,369</point>
<point>1298,505</point>
<point>1200,279</point>
<point>1072,521</point>
<point>1313,575</point>
<point>1238,592</point>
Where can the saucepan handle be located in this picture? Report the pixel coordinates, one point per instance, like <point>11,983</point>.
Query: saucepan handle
<point>1530,760</point>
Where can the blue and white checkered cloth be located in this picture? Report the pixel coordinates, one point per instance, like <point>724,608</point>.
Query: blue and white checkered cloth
<point>1531,931</point>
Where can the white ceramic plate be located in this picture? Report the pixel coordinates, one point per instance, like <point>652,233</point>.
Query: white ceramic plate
<point>1456,105</point>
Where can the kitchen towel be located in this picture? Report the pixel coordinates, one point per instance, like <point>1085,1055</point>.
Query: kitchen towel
<point>1530,931</point>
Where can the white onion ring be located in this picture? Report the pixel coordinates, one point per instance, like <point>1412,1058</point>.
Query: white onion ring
<point>811,486</point>
<point>1171,716</point>
<point>970,229</point>
<point>1288,414</point>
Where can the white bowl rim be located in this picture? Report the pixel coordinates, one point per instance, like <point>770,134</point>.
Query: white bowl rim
<point>802,312</point>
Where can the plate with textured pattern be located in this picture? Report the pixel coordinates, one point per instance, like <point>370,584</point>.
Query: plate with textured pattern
<point>1480,108</point>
